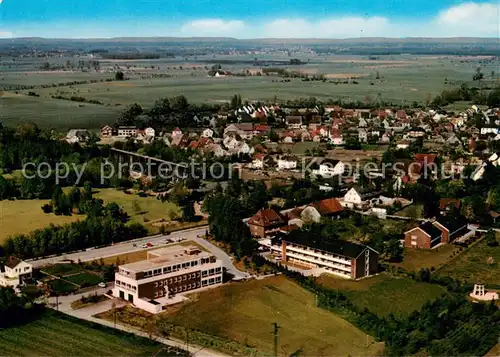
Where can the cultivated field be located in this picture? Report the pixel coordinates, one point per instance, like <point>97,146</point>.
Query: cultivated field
<point>55,334</point>
<point>379,293</point>
<point>32,216</point>
<point>398,79</point>
<point>479,264</point>
<point>244,312</point>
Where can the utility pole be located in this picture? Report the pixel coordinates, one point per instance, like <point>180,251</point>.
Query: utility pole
<point>57,302</point>
<point>276,328</point>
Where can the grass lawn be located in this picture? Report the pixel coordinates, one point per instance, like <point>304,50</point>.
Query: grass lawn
<point>140,209</point>
<point>54,334</point>
<point>61,287</point>
<point>30,214</point>
<point>384,294</point>
<point>63,269</point>
<point>244,312</point>
<point>416,259</point>
<point>414,211</point>
<point>87,279</point>
<point>472,265</point>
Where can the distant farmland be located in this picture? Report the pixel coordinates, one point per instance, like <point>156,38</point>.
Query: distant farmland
<point>397,79</point>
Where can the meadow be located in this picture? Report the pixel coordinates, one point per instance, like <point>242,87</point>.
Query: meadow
<point>32,216</point>
<point>416,259</point>
<point>398,79</point>
<point>379,293</point>
<point>144,210</point>
<point>140,209</point>
<point>478,264</point>
<point>55,334</point>
<point>244,312</point>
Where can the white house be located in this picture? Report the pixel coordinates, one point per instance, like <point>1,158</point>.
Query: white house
<point>329,169</point>
<point>230,142</point>
<point>362,136</point>
<point>287,164</point>
<point>403,144</point>
<point>77,136</point>
<point>176,132</point>
<point>207,133</point>
<point>258,161</point>
<point>490,129</point>
<point>310,215</point>
<point>352,199</point>
<point>15,272</point>
<point>127,131</point>
<point>150,132</point>
<point>362,123</point>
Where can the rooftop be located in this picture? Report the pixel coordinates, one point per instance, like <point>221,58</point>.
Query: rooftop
<point>339,247</point>
<point>161,257</point>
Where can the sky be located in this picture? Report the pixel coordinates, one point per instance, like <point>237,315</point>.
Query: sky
<point>249,18</point>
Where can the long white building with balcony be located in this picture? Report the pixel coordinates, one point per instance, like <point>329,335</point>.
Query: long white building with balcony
<point>346,259</point>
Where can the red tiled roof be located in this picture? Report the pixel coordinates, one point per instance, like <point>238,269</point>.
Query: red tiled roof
<point>328,206</point>
<point>266,217</point>
<point>430,158</point>
<point>447,202</point>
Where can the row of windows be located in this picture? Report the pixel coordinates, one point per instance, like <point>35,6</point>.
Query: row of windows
<point>211,281</point>
<point>320,260</point>
<point>172,268</point>
<point>318,252</point>
<point>176,279</point>
<point>125,285</point>
<point>162,292</point>
<point>211,272</point>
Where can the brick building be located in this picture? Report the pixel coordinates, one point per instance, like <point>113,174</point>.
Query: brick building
<point>429,234</point>
<point>150,283</point>
<point>265,223</point>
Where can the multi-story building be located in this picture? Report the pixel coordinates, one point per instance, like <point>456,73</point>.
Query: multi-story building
<point>265,223</point>
<point>127,131</point>
<point>15,272</point>
<point>150,284</point>
<point>347,259</point>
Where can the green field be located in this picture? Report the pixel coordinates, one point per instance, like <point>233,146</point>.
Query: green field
<point>472,266</point>
<point>244,312</point>
<point>86,279</point>
<point>55,334</point>
<point>32,216</point>
<point>140,209</point>
<point>384,294</point>
<point>416,259</point>
<point>402,79</point>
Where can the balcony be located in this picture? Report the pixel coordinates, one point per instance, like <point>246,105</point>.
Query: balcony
<point>320,262</point>
<point>317,254</point>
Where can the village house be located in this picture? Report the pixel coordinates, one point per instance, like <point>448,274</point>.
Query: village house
<point>258,161</point>
<point>293,121</point>
<point>265,223</point>
<point>207,133</point>
<point>176,132</point>
<point>429,234</point>
<point>287,163</point>
<point>107,131</point>
<point>362,136</point>
<point>15,273</point>
<point>127,131</point>
<point>329,168</point>
<point>150,132</point>
<point>77,136</point>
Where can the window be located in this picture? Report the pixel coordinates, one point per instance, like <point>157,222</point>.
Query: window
<point>170,281</point>
<point>211,271</point>
<point>198,274</point>
<point>161,283</point>
<point>218,270</point>
<point>185,277</point>
<point>156,284</point>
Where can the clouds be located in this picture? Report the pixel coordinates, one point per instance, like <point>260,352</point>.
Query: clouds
<point>470,18</point>
<point>464,20</point>
<point>213,27</point>
<point>328,28</point>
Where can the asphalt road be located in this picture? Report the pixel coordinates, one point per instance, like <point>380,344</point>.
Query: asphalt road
<point>193,234</point>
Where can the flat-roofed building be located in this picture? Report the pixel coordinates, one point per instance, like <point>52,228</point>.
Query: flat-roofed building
<point>150,283</point>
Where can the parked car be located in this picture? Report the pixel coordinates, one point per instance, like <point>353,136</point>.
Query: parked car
<point>102,284</point>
